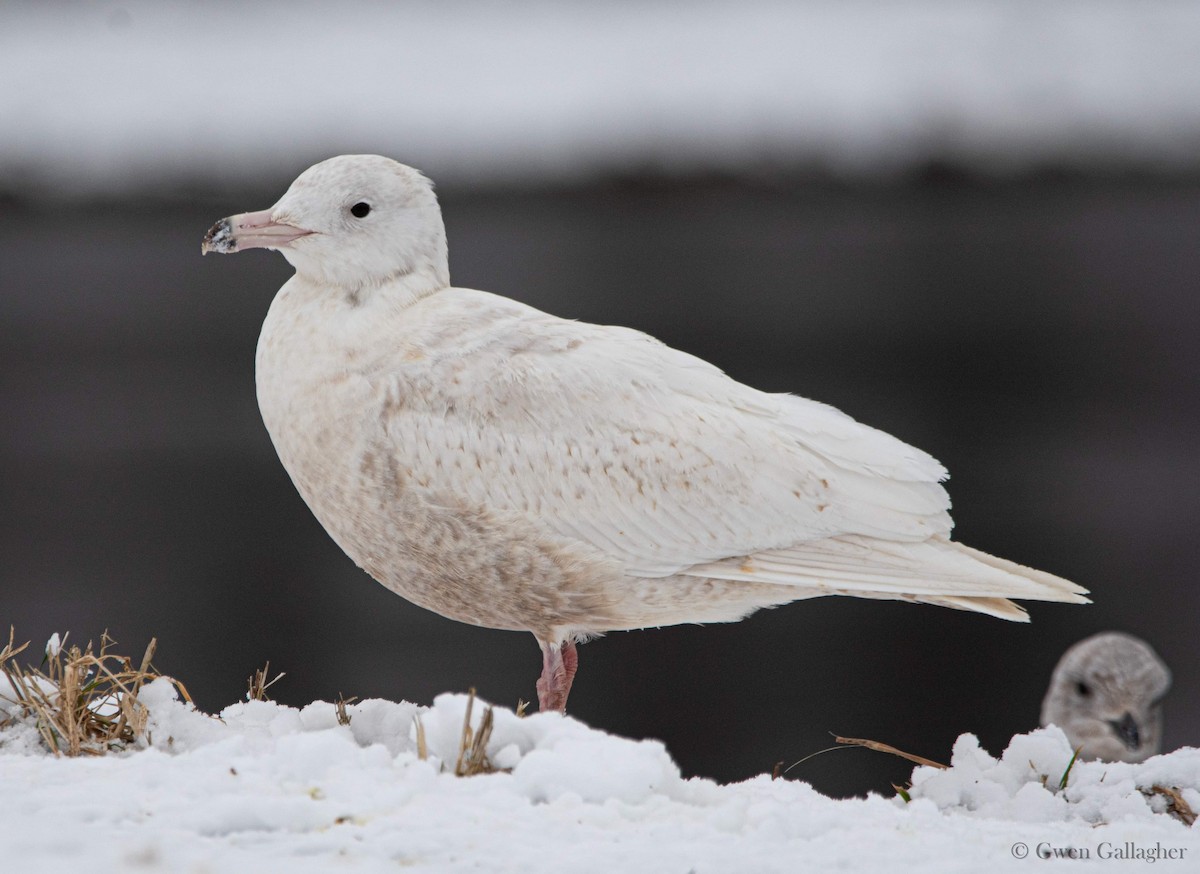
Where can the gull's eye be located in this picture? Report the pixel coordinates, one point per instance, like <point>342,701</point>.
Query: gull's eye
<point>360,209</point>
<point>1083,689</point>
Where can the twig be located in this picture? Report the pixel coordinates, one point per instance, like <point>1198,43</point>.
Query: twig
<point>891,750</point>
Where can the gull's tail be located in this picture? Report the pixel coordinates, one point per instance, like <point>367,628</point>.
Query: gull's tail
<point>935,571</point>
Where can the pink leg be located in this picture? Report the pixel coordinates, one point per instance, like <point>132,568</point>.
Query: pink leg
<point>559,664</point>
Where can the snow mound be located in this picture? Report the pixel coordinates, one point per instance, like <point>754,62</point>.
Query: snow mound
<point>1023,785</point>
<point>264,787</point>
<point>549,757</point>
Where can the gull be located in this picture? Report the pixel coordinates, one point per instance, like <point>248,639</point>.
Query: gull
<point>514,470</point>
<point>1106,694</point>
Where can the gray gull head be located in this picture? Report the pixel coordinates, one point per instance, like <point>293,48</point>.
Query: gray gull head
<point>1106,693</point>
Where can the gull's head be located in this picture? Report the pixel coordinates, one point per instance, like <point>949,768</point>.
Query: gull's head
<point>1106,695</point>
<point>352,222</point>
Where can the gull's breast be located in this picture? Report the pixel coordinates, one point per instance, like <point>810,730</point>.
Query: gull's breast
<point>333,399</point>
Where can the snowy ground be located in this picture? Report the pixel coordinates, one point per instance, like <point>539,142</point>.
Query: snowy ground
<point>107,96</point>
<point>271,788</point>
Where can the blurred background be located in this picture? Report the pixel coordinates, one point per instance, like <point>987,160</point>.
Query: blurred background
<point>971,224</point>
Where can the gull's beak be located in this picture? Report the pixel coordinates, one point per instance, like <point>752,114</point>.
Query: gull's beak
<point>1126,728</point>
<point>250,230</point>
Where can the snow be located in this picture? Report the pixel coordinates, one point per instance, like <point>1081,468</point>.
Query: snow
<point>267,787</point>
<point>99,97</point>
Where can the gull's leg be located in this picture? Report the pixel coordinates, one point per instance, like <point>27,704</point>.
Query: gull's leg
<point>559,663</point>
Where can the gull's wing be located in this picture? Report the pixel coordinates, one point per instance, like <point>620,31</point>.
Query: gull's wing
<point>653,456</point>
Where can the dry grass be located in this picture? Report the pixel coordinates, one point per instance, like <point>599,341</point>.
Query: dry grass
<point>84,701</point>
<point>1177,805</point>
<point>846,743</point>
<point>422,744</point>
<point>890,750</point>
<point>258,684</point>
<point>472,745</point>
<point>339,707</point>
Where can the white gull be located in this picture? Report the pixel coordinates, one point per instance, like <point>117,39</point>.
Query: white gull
<point>511,469</point>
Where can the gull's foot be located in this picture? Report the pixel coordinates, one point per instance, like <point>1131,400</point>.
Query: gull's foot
<point>559,664</point>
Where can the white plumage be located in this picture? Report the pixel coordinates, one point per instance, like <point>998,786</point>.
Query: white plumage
<point>516,470</point>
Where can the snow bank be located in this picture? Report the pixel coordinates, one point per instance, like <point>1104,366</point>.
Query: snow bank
<point>1023,784</point>
<point>102,96</point>
<point>266,787</point>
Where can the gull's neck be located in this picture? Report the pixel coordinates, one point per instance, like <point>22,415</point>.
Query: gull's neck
<point>402,289</point>
<point>396,291</point>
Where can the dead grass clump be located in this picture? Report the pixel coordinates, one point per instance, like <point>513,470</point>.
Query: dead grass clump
<point>472,745</point>
<point>258,684</point>
<point>472,748</point>
<point>85,702</point>
<point>1177,806</point>
<point>339,708</point>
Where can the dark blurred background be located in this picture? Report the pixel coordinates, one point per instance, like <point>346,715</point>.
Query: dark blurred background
<point>972,225</point>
